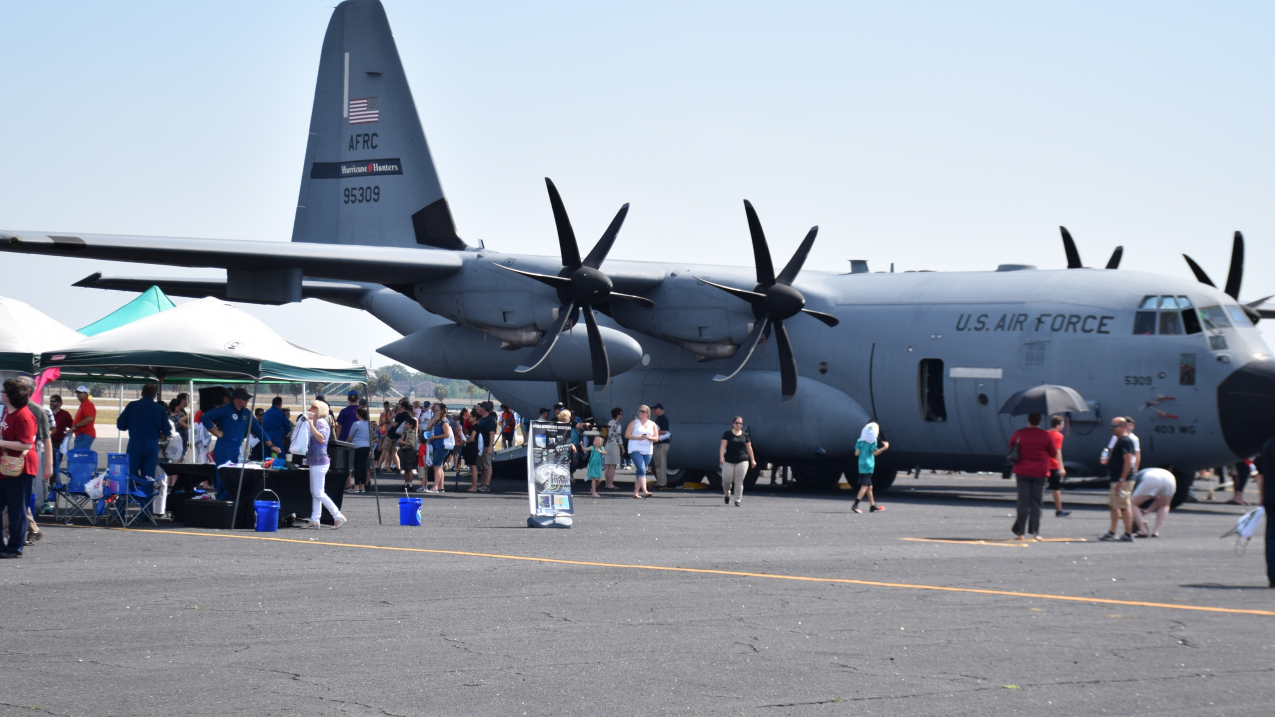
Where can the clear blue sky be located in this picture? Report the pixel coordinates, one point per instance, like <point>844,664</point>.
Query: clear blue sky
<point>947,136</point>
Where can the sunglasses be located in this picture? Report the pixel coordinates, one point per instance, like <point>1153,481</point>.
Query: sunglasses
<point>738,423</point>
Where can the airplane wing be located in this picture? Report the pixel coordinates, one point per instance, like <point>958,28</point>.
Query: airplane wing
<point>382,265</point>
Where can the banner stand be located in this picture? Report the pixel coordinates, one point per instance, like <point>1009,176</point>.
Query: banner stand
<point>549,475</point>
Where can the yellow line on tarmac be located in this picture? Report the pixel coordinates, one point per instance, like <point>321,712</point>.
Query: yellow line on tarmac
<point>1007,543</point>
<point>705,571</point>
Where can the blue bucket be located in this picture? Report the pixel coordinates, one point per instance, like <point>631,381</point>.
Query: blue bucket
<point>409,511</point>
<point>267,515</point>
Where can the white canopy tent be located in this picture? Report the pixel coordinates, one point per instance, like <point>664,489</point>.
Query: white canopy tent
<point>25,333</point>
<point>207,340</point>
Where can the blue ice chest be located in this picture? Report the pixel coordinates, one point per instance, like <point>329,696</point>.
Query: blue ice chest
<point>409,511</point>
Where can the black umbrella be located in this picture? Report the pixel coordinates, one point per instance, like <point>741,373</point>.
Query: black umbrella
<point>1045,400</point>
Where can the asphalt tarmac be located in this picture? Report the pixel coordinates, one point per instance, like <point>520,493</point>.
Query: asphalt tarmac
<point>793,605</point>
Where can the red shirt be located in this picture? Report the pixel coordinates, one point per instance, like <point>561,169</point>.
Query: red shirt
<point>1034,448</point>
<point>19,426</point>
<point>1054,465</point>
<point>87,410</point>
<point>61,424</point>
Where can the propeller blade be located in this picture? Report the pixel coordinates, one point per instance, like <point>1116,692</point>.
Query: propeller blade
<point>1114,261</point>
<point>761,251</point>
<point>566,235</point>
<point>1253,314</point>
<point>828,319</point>
<point>789,274</point>
<point>639,300</point>
<point>1266,313</point>
<point>787,363</point>
<point>745,351</point>
<point>749,296</point>
<point>603,247</point>
<point>549,339</point>
<point>1199,273</point>
<point>597,352</point>
<point>1236,274</point>
<point>1069,246</point>
<point>1259,302</point>
<point>554,281</point>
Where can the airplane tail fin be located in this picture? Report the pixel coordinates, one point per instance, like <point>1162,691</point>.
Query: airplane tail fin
<point>368,178</point>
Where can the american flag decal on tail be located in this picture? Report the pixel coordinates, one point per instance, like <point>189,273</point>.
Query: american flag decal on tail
<point>365,110</point>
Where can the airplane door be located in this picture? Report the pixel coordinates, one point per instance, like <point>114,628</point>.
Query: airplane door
<point>975,402</point>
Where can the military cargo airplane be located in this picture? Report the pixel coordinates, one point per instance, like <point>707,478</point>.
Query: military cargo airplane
<point>807,357</point>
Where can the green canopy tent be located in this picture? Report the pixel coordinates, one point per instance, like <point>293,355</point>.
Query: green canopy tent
<point>25,333</point>
<point>204,340</point>
<point>149,302</point>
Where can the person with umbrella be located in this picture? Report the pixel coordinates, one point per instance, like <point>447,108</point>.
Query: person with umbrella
<point>1030,450</point>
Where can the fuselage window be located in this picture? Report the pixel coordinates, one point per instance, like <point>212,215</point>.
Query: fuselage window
<point>1170,323</point>
<point>1214,318</point>
<point>930,387</point>
<point>1186,370</point>
<point>1144,323</point>
<point>1238,317</point>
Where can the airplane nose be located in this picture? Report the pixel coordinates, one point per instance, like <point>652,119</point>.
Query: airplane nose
<point>1246,407</point>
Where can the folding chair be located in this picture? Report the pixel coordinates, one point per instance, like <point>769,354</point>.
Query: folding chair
<point>136,503</point>
<point>71,501</point>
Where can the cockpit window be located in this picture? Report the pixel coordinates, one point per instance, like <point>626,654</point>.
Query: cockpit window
<point>1144,323</point>
<point>1170,322</point>
<point>1238,317</point>
<point>1150,302</point>
<point>1215,318</point>
<point>1184,303</point>
<point>1169,302</point>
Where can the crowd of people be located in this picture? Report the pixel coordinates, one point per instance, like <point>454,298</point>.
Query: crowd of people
<point>420,442</point>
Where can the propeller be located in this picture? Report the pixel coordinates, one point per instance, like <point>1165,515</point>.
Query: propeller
<point>1073,256</point>
<point>1234,277</point>
<point>580,284</point>
<point>773,300</point>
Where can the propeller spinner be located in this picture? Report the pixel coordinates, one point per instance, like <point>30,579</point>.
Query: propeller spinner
<point>580,284</point>
<point>1234,277</point>
<point>773,300</point>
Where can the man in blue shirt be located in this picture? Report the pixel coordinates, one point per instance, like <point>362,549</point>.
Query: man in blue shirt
<point>348,415</point>
<point>230,424</point>
<point>145,420</point>
<point>275,424</point>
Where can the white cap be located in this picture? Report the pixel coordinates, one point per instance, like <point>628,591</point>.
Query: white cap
<point>81,389</point>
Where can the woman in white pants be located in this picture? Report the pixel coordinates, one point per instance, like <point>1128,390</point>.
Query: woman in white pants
<point>320,424</point>
<point>1152,483</point>
<point>736,459</point>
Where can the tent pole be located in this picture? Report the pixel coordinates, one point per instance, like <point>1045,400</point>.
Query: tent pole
<point>190,421</point>
<point>244,450</point>
<point>371,456</point>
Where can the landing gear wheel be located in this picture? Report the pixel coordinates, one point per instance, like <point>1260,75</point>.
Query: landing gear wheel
<point>816,476</point>
<point>1184,479</point>
<point>714,479</point>
<point>750,478</point>
<point>676,476</point>
<point>882,479</point>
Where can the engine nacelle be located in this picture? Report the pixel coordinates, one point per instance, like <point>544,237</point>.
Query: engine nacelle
<point>454,351</point>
